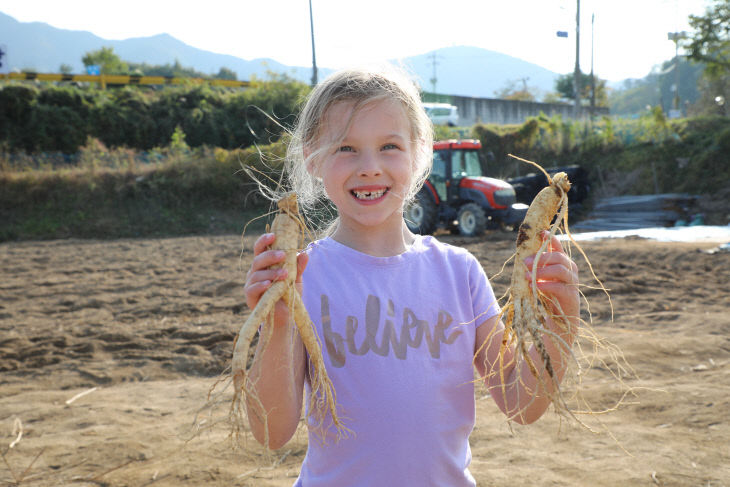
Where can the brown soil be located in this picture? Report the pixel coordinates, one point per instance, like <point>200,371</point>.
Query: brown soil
<point>145,327</point>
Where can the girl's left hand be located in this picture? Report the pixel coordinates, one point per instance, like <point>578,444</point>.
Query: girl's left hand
<point>557,277</point>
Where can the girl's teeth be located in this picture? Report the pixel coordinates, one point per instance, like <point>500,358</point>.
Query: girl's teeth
<point>369,195</point>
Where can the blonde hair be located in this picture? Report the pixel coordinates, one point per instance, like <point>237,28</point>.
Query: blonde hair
<point>362,87</point>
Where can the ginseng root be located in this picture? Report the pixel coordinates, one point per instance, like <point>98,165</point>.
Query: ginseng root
<point>527,310</point>
<point>288,228</point>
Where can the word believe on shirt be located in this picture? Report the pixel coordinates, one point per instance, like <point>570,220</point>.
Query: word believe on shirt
<point>412,332</point>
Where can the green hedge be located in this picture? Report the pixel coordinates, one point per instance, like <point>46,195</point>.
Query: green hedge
<point>47,117</point>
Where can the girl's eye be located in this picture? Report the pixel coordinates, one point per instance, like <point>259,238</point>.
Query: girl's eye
<point>390,147</point>
<point>345,148</point>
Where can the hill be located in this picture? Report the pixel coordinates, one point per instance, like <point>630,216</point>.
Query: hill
<point>477,72</point>
<point>43,48</point>
<point>466,71</point>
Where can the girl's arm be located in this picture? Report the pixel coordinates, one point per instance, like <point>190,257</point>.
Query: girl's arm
<point>520,395</point>
<point>276,376</point>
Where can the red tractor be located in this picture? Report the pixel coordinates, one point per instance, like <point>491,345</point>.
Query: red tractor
<point>457,195</point>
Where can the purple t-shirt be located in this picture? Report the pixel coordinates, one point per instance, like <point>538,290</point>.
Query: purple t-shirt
<point>398,338</point>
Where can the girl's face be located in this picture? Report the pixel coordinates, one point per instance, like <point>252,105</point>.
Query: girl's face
<point>368,173</point>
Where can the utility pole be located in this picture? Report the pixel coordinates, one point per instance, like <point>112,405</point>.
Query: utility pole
<point>576,73</point>
<point>524,83</point>
<point>433,79</point>
<point>314,58</point>
<point>676,37</point>
<point>593,77</point>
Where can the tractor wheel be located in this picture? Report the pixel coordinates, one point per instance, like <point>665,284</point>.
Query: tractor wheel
<point>472,220</point>
<point>422,215</point>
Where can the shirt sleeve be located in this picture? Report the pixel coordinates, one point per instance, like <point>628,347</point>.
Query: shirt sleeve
<point>484,302</point>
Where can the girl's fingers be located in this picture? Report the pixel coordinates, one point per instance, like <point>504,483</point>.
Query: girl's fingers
<point>302,260</point>
<point>554,265</point>
<point>254,291</point>
<point>258,282</point>
<point>263,242</point>
<point>554,245</point>
<point>266,259</point>
<point>263,258</point>
<point>562,298</point>
<point>555,273</point>
<point>557,278</point>
<point>552,258</point>
<point>260,276</point>
<point>266,275</point>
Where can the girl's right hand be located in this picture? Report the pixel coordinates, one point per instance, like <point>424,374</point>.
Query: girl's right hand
<point>261,276</point>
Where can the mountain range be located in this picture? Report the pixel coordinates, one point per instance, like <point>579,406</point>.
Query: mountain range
<point>464,70</point>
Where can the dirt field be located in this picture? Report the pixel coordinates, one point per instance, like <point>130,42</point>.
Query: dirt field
<point>108,350</point>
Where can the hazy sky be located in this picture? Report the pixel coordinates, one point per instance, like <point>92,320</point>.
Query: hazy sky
<point>630,36</point>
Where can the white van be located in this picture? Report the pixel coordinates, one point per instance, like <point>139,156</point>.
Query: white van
<point>442,114</point>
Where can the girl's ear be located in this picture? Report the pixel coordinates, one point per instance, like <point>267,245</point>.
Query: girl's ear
<point>420,148</point>
<point>311,165</point>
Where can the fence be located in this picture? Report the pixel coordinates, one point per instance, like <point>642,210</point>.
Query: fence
<point>113,79</point>
<point>504,112</point>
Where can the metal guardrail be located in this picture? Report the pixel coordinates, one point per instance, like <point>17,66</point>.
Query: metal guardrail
<point>104,79</point>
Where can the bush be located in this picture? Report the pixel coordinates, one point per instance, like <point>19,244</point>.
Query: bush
<point>687,155</point>
<point>60,118</point>
<point>16,106</point>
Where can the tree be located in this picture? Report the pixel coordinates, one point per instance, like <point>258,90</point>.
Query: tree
<point>564,85</point>
<point>107,60</point>
<point>175,70</point>
<point>65,69</point>
<point>709,44</point>
<point>180,71</point>
<point>552,97</point>
<point>225,73</point>
<point>710,41</point>
<point>513,92</point>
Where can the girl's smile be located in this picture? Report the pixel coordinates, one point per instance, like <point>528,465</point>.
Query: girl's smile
<point>368,196</point>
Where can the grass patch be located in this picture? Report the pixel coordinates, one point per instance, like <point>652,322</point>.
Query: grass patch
<point>106,193</point>
<point>201,191</point>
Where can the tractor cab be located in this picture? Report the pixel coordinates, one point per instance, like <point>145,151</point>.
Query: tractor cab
<point>459,197</point>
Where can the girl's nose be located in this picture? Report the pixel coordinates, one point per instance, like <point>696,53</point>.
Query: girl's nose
<point>369,165</point>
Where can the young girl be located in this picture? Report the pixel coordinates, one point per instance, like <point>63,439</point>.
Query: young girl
<point>400,316</point>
